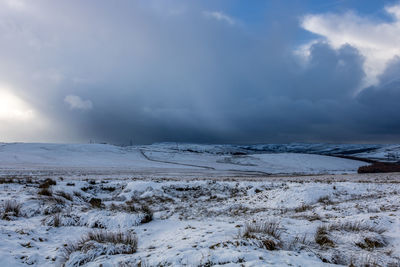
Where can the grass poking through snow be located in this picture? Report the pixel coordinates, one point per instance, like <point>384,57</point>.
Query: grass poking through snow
<point>97,243</point>
<point>10,208</point>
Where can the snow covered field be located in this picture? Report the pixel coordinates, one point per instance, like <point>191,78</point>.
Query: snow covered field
<point>100,205</point>
<point>283,222</point>
<point>162,160</point>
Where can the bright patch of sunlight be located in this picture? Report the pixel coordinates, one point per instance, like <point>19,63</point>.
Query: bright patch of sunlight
<point>14,108</point>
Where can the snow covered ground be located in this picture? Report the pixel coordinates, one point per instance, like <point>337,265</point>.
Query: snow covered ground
<point>162,160</point>
<point>284,222</point>
<point>193,205</point>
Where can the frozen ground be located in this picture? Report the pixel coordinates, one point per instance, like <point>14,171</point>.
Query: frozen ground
<point>162,160</point>
<point>284,221</point>
<point>192,205</point>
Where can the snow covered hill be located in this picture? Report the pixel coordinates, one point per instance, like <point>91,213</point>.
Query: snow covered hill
<point>195,205</point>
<point>169,159</point>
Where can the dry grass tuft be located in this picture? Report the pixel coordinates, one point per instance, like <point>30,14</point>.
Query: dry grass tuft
<point>127,207</point>
<point>77,194</point>
<point>370,243</point>
<point>95,202</point>
<point>263,234</point>
<point>45,192</point>
<point>10,208</point>
<point>108,188</point>
<point>355,226</point>
<point>298,239</point>
<point>322,237</point>
<point>115,238</point>
<point>271,228</point>
<point>87,188</point>
<point>16,180</point>
<point>302,207</point>
<point>47,183</point>
<point>325,200</point>
<point>322,233</point>
<point>64,195</point>
<point>129,242</point>
<point>148,214</point>
<point>6,180</point>
<point>56,220</point>
<point>130,207</point>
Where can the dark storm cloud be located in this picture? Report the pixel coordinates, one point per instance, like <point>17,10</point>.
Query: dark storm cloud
<point>381,103</point>
<point>167,71</point>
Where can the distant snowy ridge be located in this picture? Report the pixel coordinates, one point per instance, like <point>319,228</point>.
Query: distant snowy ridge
<point>180,158</point>
<point>379,152</point>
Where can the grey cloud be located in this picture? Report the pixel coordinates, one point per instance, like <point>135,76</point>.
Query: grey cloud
<point>75,102</point>
<point>381,103</point>
<point>177,76</point>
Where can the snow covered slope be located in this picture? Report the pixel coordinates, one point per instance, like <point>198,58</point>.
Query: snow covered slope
<point>72,155</point>
<point>389,153</point>
<point>167,159</point>
<point>304,222</point>
<point>379,152</point>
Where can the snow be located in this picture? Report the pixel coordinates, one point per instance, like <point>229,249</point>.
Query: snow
<point>163,160</point>
<point>202,197</point>
<point>389,153</point>
<point>199,221</point>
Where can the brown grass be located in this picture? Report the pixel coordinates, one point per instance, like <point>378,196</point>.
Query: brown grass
<point>127,207</point>
<point>370,243</point>
<point>102,236</point>
<point>325,200</point>
<point>95,202</point>
<point>148,214</point>
<point>263,234</point>
<point>108,188</point>
<point>47,183</point>
<point>271,228</point>
<point>45,192</point>
<point>303,207</point>
<point>355,226</point>
<point>56,220</point>
<point>16,180</point>
<point>10,208</point>
<point>321,237</point>
<point>6,181</point>
<point>64,195</point>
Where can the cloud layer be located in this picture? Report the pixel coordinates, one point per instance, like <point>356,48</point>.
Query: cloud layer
<point>378,41</point>
<point>156,71</point>
<point>75,102</point>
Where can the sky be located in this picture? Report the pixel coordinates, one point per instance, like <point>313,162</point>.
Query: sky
<point>212,71</point>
